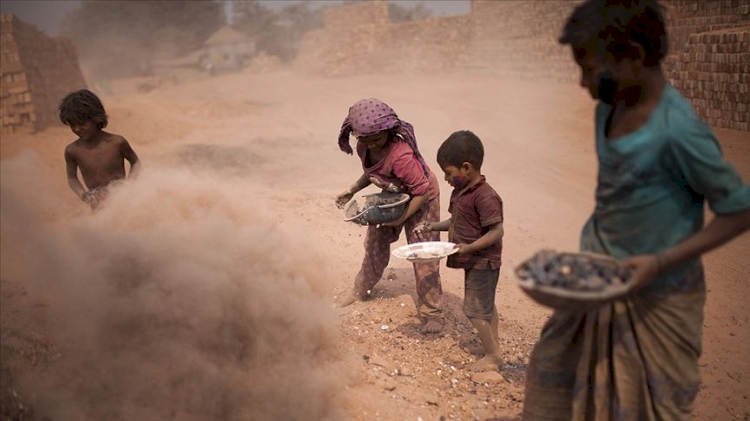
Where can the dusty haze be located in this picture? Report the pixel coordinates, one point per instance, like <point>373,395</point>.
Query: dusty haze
<point>176,301</point>
<point>203,289</point>
<point>209,279</point>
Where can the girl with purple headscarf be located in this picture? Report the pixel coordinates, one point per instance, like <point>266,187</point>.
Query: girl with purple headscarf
<point>391,160</point>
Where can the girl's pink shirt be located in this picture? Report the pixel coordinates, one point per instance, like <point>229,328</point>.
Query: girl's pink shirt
<point>400,171</point>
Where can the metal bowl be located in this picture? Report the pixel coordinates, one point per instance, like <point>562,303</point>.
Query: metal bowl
<point>378,208</point>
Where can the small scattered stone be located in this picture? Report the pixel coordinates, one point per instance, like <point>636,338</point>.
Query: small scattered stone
<point>431,399</point>
<point>405,372</point>
<point>389,385</point>
<point>380,361</point>
<point>490,377</point>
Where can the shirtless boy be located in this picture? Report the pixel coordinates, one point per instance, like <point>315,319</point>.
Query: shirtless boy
<point>98,154</point>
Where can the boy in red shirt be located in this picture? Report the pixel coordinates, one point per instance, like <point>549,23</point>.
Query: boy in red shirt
<point>476,226</point>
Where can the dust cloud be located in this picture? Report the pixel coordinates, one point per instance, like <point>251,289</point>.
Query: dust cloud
<point>174,301</point>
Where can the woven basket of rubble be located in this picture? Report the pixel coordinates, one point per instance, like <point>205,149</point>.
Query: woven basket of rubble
<point>572,280</point>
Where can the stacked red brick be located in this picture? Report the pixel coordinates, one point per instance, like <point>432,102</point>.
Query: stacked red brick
<point>348,42</point>
<point>518,38</point>
<point>710,59</point>
<point>359,38</point>
<point>510,37</point>
<point>36,71</point>
<point>430,45</point>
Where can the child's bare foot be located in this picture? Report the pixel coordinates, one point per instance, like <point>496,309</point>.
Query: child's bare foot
<point>488,363</point>
<point>432,326</point>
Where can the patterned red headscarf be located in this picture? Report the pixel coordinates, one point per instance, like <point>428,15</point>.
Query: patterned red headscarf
<point>370,116</point>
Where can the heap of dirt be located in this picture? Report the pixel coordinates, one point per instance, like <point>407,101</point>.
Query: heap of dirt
<point>429,373</point>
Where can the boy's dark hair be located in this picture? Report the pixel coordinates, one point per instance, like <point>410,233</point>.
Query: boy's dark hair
<point>461,146</point>
<point>612,23</point>
<point>80,106</point>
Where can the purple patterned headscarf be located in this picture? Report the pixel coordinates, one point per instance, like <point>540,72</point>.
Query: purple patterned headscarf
<point>370,116</point>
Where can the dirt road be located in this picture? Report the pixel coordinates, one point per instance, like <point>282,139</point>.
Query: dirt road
<point>261,150</point>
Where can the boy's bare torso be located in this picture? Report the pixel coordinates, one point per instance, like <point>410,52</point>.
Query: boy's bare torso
<point>100,160</point>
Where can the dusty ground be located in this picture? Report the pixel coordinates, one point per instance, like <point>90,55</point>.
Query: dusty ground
<point>268,143</point>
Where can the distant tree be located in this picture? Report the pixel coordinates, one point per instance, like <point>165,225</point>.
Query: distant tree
<point>120,38</point>
<point>252,17</point>
<point>279,33</point>
<point>398,13</point>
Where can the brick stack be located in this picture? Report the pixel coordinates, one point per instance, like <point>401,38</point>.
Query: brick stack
<point>36,71</point>
<point>713,72</point>
<point>430,45</point>
<point>342,51</point>
<point>376,46</point>
<point>347,43</point>
<point>688,17</point>
<point>709,61</point>
<point>371,12</point>
<point>518,38</point>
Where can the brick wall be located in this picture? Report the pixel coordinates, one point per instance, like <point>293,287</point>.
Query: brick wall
<point>713,72</point>
<point>430,45</point>
<point>374,45</point>
<point>709,60</point>
<point>344,51</point>
<point>36,71</point>
<point>355,15</point>
<point>688,17</point>
<point>515,37</point>
<point>518,38</point>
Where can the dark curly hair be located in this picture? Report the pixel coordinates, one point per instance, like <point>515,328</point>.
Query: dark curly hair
<point>612,24</point>
<point>461,146</point>
<point>80,106</point>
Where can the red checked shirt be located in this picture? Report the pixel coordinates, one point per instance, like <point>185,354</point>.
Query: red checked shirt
<point>473,211</point>
<point>399,172</point>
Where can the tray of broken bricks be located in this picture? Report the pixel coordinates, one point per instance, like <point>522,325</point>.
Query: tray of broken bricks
<point>572,280</point>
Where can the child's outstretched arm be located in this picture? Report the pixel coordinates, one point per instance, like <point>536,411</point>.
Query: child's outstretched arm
<point>494,235</point>
<point>433,226</point>
<point>721,230</point>
<point>71,168</point>
<point>345,196</point>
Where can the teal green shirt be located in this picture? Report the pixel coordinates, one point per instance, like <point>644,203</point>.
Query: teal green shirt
<point>653,183</point>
